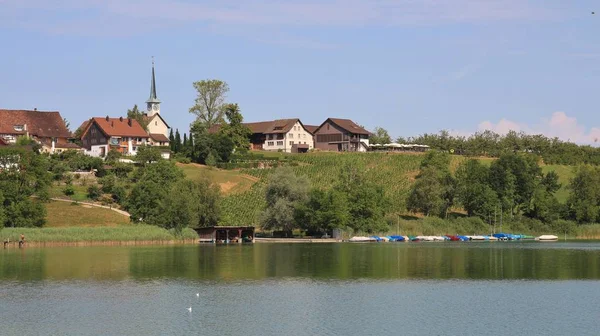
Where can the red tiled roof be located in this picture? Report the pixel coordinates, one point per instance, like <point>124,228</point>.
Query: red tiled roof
<point>159,137</point>
<point>348,125</point>
<point>61,144</point>
<point>39,123</point>
<point>120,127</point>
<point>265,127</point>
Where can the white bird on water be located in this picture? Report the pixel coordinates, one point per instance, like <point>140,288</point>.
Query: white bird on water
<point>197,294</point>
<point>190,309</point>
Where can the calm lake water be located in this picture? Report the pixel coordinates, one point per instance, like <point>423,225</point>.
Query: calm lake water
<point>303,289</point>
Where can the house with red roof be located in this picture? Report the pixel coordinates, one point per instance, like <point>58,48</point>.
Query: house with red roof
<point>125,135</point>
<point>45,127</point>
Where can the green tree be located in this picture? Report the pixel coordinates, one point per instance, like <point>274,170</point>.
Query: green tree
<point>284,192</point>
<point>380,136</point>
<point>211,95</point>
<point>94,192</point>
<point>147,154</point>
<point>234,129</point>
<point>472,189</point>
<point>26,213</point>
<point>136,114</point>
<point>112,156</point>
<point>177,146</point>
<point>584,193</point>
<point>154,183</point>
<point>323,210</point>
<point>427,194</point>
<point>366,201</point>
<point>172,141</point>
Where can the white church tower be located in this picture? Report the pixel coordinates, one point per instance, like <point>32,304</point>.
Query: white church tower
<point>153,103</point>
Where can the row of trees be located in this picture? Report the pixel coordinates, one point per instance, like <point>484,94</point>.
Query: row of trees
<point>491,144</point>
<point>352,203</point>
<point>513,185</point>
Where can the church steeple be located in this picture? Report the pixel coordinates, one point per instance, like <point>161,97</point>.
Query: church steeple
<point>153,103</point>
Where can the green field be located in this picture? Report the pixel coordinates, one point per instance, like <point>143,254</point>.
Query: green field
<point>230,181</point>
<point>65,214</point>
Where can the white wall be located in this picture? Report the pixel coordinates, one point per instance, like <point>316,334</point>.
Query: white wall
<point>297,134</point>
<point>95,151</point>
<point>157,126</point>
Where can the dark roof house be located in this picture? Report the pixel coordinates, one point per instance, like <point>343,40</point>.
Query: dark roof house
<point>336,134</point>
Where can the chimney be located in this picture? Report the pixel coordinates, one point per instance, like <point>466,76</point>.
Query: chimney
<point>121,119</point>
<point>129,122</point>
<point>107,118</point>
<point>112,124</point>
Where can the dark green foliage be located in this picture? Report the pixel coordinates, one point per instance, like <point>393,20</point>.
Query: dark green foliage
<point>234,130</point>
<point>583,202</point>
<point>514,178</point>
<point>324,210</point>
<point>284,192</point>
<point>217,144</point>
<point>69,190</point>
<point>119,194</point>
<point>112,157</point>
<point>147,155</point>
<point>76,161</point>
<point>433,191</point>
<point>366,201</point>
<point>25,213</point>
<point>190,204</point>
<point>473,190</point>
<point>153,184</point>
<point>172,140</point>
<point>177,145</point>
<point>94,192</point>
<point>380,136</point>
<point>136,114</point>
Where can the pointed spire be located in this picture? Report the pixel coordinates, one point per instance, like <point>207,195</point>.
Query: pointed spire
<point>153,98</point>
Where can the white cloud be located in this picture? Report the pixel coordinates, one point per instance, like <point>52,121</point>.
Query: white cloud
<point>559,125</point>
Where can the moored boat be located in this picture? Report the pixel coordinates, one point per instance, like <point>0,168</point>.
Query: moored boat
<point>547,238</point>
<point>361,239</point>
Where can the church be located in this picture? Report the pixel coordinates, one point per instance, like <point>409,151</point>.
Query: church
<point>125,135</point>
<point>157,128</point>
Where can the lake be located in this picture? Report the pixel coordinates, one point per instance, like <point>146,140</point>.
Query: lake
<point>497,288</point>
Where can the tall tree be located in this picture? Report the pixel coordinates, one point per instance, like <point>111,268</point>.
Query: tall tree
<point>284,192</point>
<point>177,141</point>
<point>473,191</point>
<point>584,195</point>
<point>324,210</point>
<point>234,129</point>
<point>380,136</point>
<point>211,95</point>
<point>172,141</point>
<point>185,142</point>
<point>136,114</point>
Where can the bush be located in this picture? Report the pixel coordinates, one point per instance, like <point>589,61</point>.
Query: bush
<point>94,192</point>
<point>108,182</point>
<point>69,190</point>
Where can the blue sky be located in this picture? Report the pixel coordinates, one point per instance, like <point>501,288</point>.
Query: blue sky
<point>410,66</point>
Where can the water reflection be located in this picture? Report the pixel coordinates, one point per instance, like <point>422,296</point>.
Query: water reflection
<point>492,261</point>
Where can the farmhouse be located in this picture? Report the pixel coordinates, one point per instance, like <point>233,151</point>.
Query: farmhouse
<point>122,134</point>
<point>46,128</point>
<point>341,135</point>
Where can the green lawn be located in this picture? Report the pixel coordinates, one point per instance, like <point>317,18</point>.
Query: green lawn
<point>565,174</point>
<point>65,214</point>
<point>57,191</point>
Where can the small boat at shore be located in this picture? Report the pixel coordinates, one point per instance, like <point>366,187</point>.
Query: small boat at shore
<point>547,238</point>
<point>360,239</point>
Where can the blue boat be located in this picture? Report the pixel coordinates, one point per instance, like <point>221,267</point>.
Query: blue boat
<point>463,238</point>
<point>396,238</point>
<point>377,238</point>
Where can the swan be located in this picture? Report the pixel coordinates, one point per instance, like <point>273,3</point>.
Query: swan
<point>190,309</point>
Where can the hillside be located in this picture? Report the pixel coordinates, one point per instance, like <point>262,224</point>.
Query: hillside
<point>65,214</point>
<point>243,203</point>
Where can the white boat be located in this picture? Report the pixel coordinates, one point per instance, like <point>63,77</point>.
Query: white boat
<point>425,238</point>
<point>547,238</point>
<point>438,238</point>
<point>477,237</point>
<point>360,239</point>
<point>492,238</point>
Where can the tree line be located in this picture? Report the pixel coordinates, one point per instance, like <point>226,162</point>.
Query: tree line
<point>491,144</point>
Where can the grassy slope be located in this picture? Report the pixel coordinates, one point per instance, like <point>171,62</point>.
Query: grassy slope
<point>395,172</point>
<point>231,182</point>
<point>64,214</point>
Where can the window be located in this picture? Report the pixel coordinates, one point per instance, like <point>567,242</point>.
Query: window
<point>156,123</point>
<point>328,127</point>
<point>270,143</point>
<point>303,135</point>
<point>291,135</point>
<point>279,143</point>
<point>291,143</point>
<point>19,128</point>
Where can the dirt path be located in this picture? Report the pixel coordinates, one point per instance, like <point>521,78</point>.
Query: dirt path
<point>124,213</point>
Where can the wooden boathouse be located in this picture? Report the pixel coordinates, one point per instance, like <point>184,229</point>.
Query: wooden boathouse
<point>226,234</point>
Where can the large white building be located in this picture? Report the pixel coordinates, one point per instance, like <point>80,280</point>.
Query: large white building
<point>286,135</point>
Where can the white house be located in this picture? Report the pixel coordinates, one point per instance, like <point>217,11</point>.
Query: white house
<point>287,135</point>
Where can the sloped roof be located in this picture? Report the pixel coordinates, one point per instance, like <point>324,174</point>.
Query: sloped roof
<point>119,127</point>
<point>39,123</point>
<point>159,137</point>
<point>67,145</point>
<point>266,127</point>
<point>311,128</point>
<point>348,125</point>
<point>149,119</point>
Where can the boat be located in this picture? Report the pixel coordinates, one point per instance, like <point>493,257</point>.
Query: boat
<point>492,238</point>
<point>547,238</point>
<point>361,239</point>
<point>477,237</point>
<point>414,238</point>
<point>396,238</point>
<point>383,239</point>
<point>463,238</point>
<point>453,238</point>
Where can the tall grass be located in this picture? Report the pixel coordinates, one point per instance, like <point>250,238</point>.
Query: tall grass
<point>589,231</point>
<point>96,234</point>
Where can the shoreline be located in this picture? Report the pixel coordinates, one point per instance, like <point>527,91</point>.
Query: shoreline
<point>15,244</point>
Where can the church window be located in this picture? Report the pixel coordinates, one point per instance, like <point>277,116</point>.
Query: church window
<point>156,123</point>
